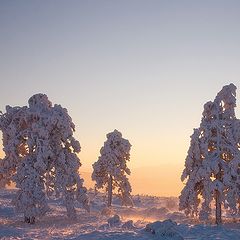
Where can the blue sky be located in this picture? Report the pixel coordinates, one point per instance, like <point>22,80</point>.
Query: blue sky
<point>143,67</point>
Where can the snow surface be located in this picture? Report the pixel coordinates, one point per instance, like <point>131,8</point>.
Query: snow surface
<point>131,223</point>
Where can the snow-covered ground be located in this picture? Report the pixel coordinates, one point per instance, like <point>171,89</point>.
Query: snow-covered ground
<point>117,223</point>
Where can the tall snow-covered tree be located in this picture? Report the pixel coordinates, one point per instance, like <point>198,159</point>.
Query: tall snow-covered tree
<point>212,164</point>
<point>43,157</point>
<point>110,171</point>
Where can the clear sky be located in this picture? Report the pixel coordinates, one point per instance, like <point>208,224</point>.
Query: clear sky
<point>143,67</point>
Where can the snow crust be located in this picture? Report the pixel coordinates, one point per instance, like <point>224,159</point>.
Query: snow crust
<point>114,221</point>
<point>167,229</point>
<point>55,224</point>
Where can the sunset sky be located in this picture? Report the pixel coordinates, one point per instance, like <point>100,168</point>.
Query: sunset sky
<point>143,67</point>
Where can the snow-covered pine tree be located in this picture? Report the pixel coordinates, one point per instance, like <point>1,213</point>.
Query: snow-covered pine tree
<point>111,169</point>
<point>44,157</point>
<point>212,164</point>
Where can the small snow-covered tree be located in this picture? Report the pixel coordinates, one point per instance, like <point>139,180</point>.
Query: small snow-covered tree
<point>111,169</point>
<point>212,164</point>
<point>41,157</point>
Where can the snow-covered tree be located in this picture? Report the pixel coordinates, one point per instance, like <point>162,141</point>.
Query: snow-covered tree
<point>43,157</point>
<point>110,171</point>
<point>212,164</point>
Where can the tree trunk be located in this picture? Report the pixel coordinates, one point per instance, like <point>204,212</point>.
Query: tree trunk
<point>26,219</point>
<point>218,208</point>
<point>30,220</point>
<point>218,201</point>
<point>110,191</point>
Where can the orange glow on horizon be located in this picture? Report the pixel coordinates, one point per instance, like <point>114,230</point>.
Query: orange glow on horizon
<point>151,180</point>
<point>154,171</point>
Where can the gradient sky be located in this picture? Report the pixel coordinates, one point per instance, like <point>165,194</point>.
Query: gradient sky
<point>143,67</point>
